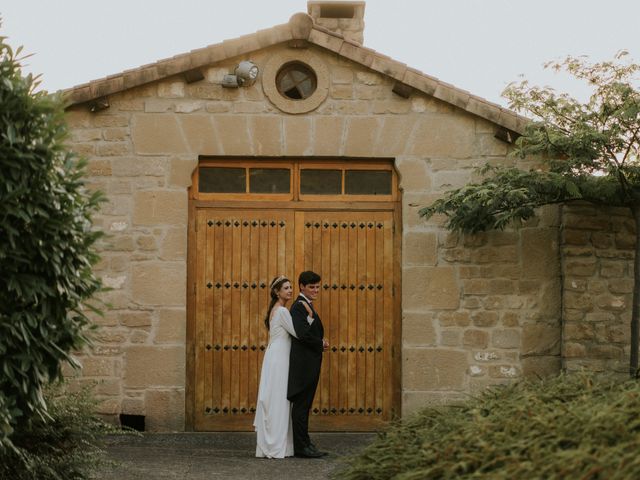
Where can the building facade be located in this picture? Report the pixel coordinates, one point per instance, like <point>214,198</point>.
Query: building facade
<point>323,163</point>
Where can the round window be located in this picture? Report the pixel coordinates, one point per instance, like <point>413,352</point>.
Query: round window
<point>296,81</point>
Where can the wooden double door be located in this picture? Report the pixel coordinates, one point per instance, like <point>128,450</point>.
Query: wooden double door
<point>238,252</point>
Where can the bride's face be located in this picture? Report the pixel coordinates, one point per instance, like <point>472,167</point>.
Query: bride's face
<point>285,292</point>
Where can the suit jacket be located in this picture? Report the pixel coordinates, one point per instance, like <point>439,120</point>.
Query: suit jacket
<point>305,358</point>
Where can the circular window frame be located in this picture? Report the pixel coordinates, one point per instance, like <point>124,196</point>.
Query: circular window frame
<point>289,105</point>
<point>303,68</point>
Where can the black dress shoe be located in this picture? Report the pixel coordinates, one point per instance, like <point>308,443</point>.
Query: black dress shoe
<point>315,449</point>
<point>308,453</point>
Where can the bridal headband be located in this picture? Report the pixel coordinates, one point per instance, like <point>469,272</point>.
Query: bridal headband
<point>279,279</point>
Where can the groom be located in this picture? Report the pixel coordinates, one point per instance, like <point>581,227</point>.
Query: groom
<point>304,363</point>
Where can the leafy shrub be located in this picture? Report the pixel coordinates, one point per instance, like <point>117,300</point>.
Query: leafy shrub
<point>559,428</point>
<point>46,245</point>
<point>63,446</point>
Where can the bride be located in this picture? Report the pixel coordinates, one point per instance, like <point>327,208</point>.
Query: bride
<point>272,422</point>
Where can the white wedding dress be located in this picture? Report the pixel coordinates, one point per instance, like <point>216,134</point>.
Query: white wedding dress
<point>272,422</point>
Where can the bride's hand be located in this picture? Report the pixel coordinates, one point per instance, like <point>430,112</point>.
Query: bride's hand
<point>306,305</point>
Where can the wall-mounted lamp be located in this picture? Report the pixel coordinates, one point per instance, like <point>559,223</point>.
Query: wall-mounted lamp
<point>244,75</point>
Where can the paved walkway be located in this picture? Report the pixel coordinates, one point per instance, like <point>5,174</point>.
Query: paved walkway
<point>214,456</point>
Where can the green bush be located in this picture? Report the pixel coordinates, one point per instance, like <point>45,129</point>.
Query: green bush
<point>64,446</point>
<point>46,245</point>
<point>567,427</point>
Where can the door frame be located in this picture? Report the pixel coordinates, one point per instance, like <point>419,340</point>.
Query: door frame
<point>296,205</point>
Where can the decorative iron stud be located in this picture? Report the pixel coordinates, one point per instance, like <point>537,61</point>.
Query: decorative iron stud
<point>209,285</point>
<point>371,287</point>
<point>245,223</point>
<point>254,348</point>
<point>218,223</point>
<point>236,223</point>
<point>325,225</point>
<point>379,349</point>
<point>273,224</point>
<point>325,286</point>
<point>208,347</point>
<point>243,410</point>
<point>379,287</point>
<point>333,410</point>
<point>352,286</point>
<point>316,411</point>
<point>235,347</point>
<point>227,223</point>
<point>369,410</point>
<point>218,285</point>
<point>343,287</point>
<point>370,349</point>
<point>225,410</point>
<point>216,410</point>
<point>227,285</point>
<point>370,225</point>
<point>308,224</point>
<point>352,410</point>
<point>317,225</point>
<point>245,285</point>
<point>379,225</point>
<point>324,410</point>
<point>262,285</point>
<point>378,410</point>
<point>282,224</point>
<point>343,348</point>
<point>352,349</point>
<point>353,225</point>
<point>207,410</point>
<point>210,223</point>
<point>243,347</point>
<point>234,410</point>
<point>362,225</point>
<point>262,347</point>
<point>252,410</point>
<point>254,224</point>
<point>334,349</point>
<point>217,347</point>
<point>362,287</point>
<point>253,285</point>
<point>334,286</point>
<point>263,223</point>
<point>361,410</point>
<point>334,225</point>
<point>361,349</point>
<point>344,225</point>
<point>342,410</point>
<point>236,285</point>
<point>226,347</point>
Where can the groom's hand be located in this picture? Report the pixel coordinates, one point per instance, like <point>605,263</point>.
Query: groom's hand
<point>325,345</point>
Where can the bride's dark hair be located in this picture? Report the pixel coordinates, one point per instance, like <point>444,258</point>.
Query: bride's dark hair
<point>274,287</point>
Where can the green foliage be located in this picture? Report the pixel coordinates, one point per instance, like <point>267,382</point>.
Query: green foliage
<point>564,427</point>
<point>63,447</point>
<point>46,245</point>
<point>587,151</point>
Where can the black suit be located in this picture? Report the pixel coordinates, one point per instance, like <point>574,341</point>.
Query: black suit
<point>304,370</point>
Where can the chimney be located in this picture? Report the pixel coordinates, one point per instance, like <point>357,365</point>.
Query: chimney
<point>345,18</point>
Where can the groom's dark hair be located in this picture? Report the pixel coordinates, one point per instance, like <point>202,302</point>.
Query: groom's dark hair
<point>308,277</point>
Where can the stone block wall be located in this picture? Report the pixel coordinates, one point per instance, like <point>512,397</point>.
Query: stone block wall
<point>476,310</point>
<point>597,268</point>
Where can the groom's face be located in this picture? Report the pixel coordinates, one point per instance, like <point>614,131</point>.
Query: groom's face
<point>311,290</point>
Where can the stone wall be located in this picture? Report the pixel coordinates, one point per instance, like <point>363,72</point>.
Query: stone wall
<point>597,267</point>
<point>476,310</point>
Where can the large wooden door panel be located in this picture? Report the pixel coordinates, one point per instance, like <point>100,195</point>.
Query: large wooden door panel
<point>238,253</point>
<point>353,252</point>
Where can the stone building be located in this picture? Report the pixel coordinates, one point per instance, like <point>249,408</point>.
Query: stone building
<point>322,163</point>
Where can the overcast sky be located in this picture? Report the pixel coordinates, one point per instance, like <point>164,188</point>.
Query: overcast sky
<point>477,45</point>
